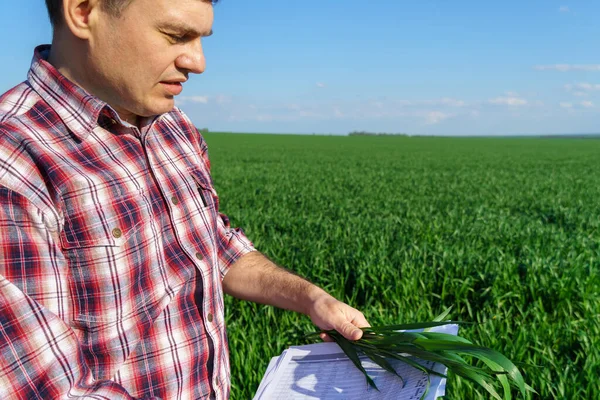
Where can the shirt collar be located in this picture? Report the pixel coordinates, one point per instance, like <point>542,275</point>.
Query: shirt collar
<point>78,109</point>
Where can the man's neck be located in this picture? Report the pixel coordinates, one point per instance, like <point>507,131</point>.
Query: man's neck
<point>67,65</point>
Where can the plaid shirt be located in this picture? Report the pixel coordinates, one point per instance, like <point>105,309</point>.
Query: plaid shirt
<point>112,250</point>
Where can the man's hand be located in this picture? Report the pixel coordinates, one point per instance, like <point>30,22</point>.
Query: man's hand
<point>254,277</point>
<point>328,313</point>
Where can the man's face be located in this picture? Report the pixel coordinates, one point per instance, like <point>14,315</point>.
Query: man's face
<point>138,60</point>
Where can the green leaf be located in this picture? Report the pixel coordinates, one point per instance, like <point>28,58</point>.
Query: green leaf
<point>468,373</point>
<point>413,363</point>
<point>418,325</point>
<point>397,337</point>
<point>443,315</point>
<point>502,378</point>
<point>383,363</point>
<point>482,353</point>
<point>398,342</point>
<point>350,351</point>
<point>444,336</point>
<point>447,361</point>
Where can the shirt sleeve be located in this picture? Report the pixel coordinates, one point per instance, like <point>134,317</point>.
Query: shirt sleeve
<point>232,242</point>
<point>40,355</point>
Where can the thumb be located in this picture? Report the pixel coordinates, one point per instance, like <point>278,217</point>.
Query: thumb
<point>350,331</point>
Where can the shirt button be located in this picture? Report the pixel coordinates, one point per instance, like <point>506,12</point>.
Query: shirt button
<point>199,256</point>
<point>174,200</point>
<point>117,233</point>
<point>210,317</point>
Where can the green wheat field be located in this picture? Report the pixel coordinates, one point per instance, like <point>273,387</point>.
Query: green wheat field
<point>507,231</point>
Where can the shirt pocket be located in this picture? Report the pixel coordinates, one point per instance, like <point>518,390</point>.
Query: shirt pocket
<point>204,216</point>
<point>102,224</point>
<point>103,244</point>
<point>207,196</point>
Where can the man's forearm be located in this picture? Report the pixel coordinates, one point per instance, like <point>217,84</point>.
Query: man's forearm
<point>256,278</point>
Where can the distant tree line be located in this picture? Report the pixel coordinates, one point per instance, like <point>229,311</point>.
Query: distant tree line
<point>202,130</point>
<point>365,133</point>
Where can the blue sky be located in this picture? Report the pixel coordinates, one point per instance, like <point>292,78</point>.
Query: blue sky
<point>422,67</point>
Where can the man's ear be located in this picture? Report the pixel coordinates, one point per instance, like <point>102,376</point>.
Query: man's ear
<point>80,16</point>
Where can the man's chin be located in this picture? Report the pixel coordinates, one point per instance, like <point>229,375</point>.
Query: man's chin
<point>158,108</point>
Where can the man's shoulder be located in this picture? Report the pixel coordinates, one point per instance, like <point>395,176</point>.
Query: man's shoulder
<point>22,112</point>
<point>15,110</point>
<point>17,101</point>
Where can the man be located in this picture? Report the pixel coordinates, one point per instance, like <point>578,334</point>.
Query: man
<point>113,255</point>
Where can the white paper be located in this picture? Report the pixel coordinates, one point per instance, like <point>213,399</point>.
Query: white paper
<point>323,371</point>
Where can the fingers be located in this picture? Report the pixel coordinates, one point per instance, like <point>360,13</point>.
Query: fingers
<point>352,321</point>
<point>360,321</point>
<point>333,314</point>
<point>325,337</point>
<point>350,331</point>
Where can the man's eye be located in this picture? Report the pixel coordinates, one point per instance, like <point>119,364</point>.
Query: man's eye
<point>177,39</point>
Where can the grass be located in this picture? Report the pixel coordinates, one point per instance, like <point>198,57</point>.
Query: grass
<point>507,231</point>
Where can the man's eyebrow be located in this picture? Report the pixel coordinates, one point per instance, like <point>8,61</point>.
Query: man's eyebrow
<point>184,29</point>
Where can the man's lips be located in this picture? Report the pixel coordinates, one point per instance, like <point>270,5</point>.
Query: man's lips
<point>173,88</point>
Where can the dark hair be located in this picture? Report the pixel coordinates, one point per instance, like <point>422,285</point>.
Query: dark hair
<point>113,7</point>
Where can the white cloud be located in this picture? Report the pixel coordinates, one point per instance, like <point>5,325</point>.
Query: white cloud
<point>508,101</point>
<point>337,112</point>
<point>580,94</point>
<point>568,67</point>
<point>310,114</point>
<point>321,85</point>
<point>432,113</point>
<point>192,99</point>
<point>435,117</point>
<point>265,117</point>
<point>564,9</point>
<point>582,87</point>
<point>587,104</point>
<point>451,102</point>
<point>445,101</point>
<point>566,105</point>
<point>222,99</point>
<point>588,86</point>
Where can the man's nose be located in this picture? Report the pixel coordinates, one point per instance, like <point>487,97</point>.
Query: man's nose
<point>192,59</point>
